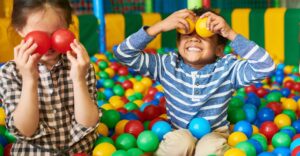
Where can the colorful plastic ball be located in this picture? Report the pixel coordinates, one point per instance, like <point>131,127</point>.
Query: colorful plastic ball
<point>160,128</point>
<point>108,83</point>
<point>258,147</point>
<point>104,149</point>
<point>131,106</point>
<point>289,132</point>
<point>253,99</point>
<point>135,152</point>
<point>274,97</point>
<point>250,89</point>
<point>236,102</point>
<point>125,141</point>
<point>281,139</point>
<point>290,104</point>
<point>127,84</point>
<point>147,82</point>
<point>289,84</point>
<point>243,126</point>
<point>282,151</point>
<point>191,28</point>
<point>158,95</point>
<point>268,129</point>
<point>250,112</point>
<point>262,140</point>
<point>103,139</point>
<point>120,153</point>
<point>255,130</point>
<point>134,127</point>
<point>236,137</point>
<point>234,152</point>
<point>110,118</point>
<point>152,91</point>
<point>296,151</point>
<point>285,92</point>
<point>199,127</point>
<point>201,28</point>
<point>102,64</point>
<point>123,71</point>
<point>151,112</point>
<point>130,116</point>
<point>236,114</point>
<point>120,126</point>
<point>296,125</point>
<point>7,150</point>
<point>148,141</point>
<point>292,115</point>
<point>247,147</point>
<point>102,129</point>
<point>282,120</point>
<point>107,106</point>
<point>276,107</point>
<point>266,114</point>
<point>261,92</point>
<point>103,75</point>
<point>295,143</point>
<point>108,93</point>
<point>139,114</point>
<point>139,87</point>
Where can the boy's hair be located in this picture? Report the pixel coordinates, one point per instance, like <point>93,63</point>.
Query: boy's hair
<point>22,8</point>
<point>200,11</point>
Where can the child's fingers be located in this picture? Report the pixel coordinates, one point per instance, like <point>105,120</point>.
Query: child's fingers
<point>25,46</point>
<point>28,52</point>
<point>34,59</point>
<point>185,24</point>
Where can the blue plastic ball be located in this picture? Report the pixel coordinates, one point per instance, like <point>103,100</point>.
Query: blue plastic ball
<point>160,128</point>
<point>243,126</point>
<point>296,125</point>
<point>285,92</point>
<point>282,151</point>
<point>158,95</point>
<point>199,127</point>
<point>258,147</point>
<point>266,114</point>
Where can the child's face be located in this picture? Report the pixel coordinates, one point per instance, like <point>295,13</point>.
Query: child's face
<point>197,51</point>
<point>48,20</point>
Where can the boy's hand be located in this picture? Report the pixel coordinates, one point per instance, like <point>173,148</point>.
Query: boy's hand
<point>217,24</point>
<point>26,60</point>
<point>80,61</point>
<point>174,21</point>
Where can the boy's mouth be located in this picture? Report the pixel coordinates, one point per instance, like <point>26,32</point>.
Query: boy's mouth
<point>193,49</point>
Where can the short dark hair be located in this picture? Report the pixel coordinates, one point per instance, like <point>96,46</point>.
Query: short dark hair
<point>200,11</point>
<point>22,8</point>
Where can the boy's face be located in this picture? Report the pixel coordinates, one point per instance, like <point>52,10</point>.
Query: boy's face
<point>197,51</point>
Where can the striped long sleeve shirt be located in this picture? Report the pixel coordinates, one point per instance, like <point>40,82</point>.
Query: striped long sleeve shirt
<point>191,92</point>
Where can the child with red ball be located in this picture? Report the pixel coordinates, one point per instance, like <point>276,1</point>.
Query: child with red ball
<point>44,111</point>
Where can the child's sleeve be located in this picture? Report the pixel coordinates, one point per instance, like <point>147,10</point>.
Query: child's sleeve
<point>10,93</point>
<point>255,65</point>
<point>130,52</point>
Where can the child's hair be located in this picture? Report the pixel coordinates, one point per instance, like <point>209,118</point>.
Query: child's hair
<point>22,8</point>
<point>201,11</point>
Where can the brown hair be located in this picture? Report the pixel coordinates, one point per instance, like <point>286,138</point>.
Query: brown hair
<point>22,8</point>
<point>200,11</point>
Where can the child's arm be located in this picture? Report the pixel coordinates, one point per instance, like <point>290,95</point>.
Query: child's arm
<point>256,64</point>
<point>130,52</point>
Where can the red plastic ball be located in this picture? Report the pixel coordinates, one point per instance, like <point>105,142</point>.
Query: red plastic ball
<point>296,151</point>
<point>124,99</point>
<point>297,87</point>
<point>148,98</point>
<point>139,114</point>
<point>123,71</point>
<point>127,84</point>
<point>42,39</point>
<point>288,84</point>
<point>152,91</point>
<point>250,89</point>
<point>122,110</point>
<point>268,129</point>
<point>115,66</point>
<point>7,150</point>
<point>134,127</point>
<point>261,92</point>
<point>296,137</point>
<point>61,40</point>
<point>151,112</point>
<point>276,107</point>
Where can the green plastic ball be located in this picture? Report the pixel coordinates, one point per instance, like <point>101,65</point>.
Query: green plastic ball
<point>118,90</point>
<point>135,152</point>
<point>290,113</point>
<point>120,153</point>
<point>108,83</point>
<point>102,65</point>
<point>131,106</point>
<point>274,97</point>
<point>148,141</point>
<point>110,118</point>
<point>236,114</point>
<point>103,139</point>
<point>262,140</point>
<point>281,139</point>
<point>125,141</point>
<point>247,147</point>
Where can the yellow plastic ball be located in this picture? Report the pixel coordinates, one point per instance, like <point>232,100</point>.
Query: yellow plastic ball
<point>107,106</point>
<point>147,82</point>
<point>96,68</point>
<point>139,87</point>
<point>133,80</point>
<point>117,104</point>
<point>104,149</point>
<point>288,69</point>
<point>129,92</point>
<point>255,130</point>
<point>234,152</point>
<point>110,72</point>
<point>2,116</point>
<point>201,28</point>
<point>290,104</point>
<point>114,98</point>
<point>191,27</point>
<point>102,129</point>
<point>160,88</point>
<point>236,137</point>
<point>282,120</point>
<point>164,116</point>
<point>270,148</point>
<point>138,102</point>
<point>120,126</point>
<point>101,57</point>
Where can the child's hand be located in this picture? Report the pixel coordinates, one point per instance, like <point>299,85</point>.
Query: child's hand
<point>80,61</point>
<point>27,60</point>
<point>218,25</point>
<point>174,21</point>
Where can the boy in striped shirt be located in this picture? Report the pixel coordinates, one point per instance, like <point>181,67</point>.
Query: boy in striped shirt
<point>199,80</point>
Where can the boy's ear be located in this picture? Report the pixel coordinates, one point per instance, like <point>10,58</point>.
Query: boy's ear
<point>220,50</point>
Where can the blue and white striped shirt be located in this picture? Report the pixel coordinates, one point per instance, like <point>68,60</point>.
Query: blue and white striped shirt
<point>194,93</point>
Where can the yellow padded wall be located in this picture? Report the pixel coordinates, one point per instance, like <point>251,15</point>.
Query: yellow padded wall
<point>240,21</point>
<point>150,19</point>
<point>115,30</point>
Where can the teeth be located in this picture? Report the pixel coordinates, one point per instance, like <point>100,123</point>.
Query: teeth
<point>193,49</point>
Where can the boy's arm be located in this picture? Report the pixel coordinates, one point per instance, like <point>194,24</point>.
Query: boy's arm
<point>256,64</point>
<point>130,52</point>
